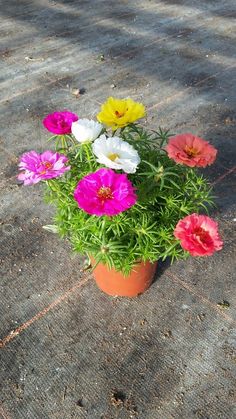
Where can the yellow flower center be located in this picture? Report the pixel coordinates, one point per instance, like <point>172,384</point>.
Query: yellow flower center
<point>190,151</point>
<point>105,193</point>
<point>113,156</point>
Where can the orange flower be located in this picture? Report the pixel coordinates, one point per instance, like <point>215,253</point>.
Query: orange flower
<point>191,151</point>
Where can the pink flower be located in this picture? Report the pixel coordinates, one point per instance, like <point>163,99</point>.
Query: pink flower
<point>191,151</point>
<point>105,193</point>
<point>60,122</point>
<point>198,234</point>
<point>43,166</point>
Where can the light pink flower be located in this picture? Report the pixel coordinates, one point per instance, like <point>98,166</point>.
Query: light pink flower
<point>191,151</point>
<point>60,122</point>
<point>43,166</point>
<point>198,234</point>
<point>105,193</point>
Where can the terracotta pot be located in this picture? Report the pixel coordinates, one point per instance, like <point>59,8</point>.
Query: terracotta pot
<point>114,283</point>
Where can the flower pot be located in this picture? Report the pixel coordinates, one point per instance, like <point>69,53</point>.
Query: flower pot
<point>115,283</point>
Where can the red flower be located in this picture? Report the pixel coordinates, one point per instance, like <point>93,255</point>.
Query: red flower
<point>191,151</point>
<point>198,234</point>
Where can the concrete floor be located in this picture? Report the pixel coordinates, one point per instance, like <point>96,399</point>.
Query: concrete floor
<point>68,350</point>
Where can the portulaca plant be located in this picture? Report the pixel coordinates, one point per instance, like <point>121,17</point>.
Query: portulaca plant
<point>123,194</point>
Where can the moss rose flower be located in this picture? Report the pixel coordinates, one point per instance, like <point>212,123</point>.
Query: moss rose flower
<point>105,193</point>
<point>117,113</point>
<point>86,130</point>
<point>59,123</point>
<point>191,151</point>
<point>198,234</point>
<point>115,153</point>
<point>47,165</point>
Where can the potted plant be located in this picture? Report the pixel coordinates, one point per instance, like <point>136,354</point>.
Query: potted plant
<point>124,195</point>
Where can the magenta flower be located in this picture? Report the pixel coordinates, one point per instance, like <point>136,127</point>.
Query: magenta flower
<point>60,122</point>
<point>105,192</point>
<point>198,234</point>
<point>43,166</point>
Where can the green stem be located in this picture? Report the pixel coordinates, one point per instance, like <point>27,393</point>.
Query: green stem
<point>54,188</point>
<point>114,132</point>
<point>52,138</point>
<point>71,138</point>
<point>63,142</point>
<point>86,147</point>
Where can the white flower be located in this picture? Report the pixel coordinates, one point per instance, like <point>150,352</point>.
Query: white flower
<point>85,130</point>
<point>115,153</point>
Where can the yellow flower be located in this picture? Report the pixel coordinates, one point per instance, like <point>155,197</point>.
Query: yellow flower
<point>117,113</point>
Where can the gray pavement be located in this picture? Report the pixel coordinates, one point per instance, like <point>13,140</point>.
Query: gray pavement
<point>67,349</point>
